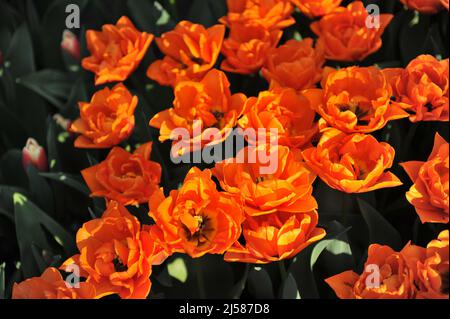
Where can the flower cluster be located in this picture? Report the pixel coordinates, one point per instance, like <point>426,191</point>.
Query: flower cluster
<point>413,273</point>
<point>324,119</point>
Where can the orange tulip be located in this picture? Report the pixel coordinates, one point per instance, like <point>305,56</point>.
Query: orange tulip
<point>285,111</point>
<point>316,8</point>
<point>267,185</point>
<point>295,64</point>
<point>116,256</point>
<point>355,100</point>
<point>431,269</point>
<point>426,6</point>
<point>346,36</point>
<point>247,46</point>
<point>395,277</point>
<point>353,163</point>
<point>116,51</point>
<point>208,104</point>
<point>433,273</point>
<point>271,14</point>
<point>430,192</point>
<point>107,120</point>
<point>275,237</point>
<point>197,219</point>
<point>422,88</point>
<point>445,4</point>
<point>127,178</point>
<point>190,51</point>
<point>51,285</point>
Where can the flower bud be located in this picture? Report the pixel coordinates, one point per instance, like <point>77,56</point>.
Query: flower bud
<point>34,154</point>
<point>70,44</point>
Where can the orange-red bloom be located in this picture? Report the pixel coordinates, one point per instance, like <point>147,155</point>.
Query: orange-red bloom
<point>284,110</point>
<point>271,14</point>
<point>190,51</point>
<point>431,267</point>
<point>127,178</point>
<point>107,120</point>
<point>116,51</point>
<point>353,163</point>
<point>413,273</point>
<point>281,211</point>
<point>275,237</point>
<point>268,179</point>
<point>197,219</point>
<point>116,256</point>
<point>432,274</point>
<point>316,8</point>
<point>430,191</point>
<point>386,276</point>
<point>355,100</point>
<point>346,36</point>
<point>295,64</point>
<point>422,88</point>
<point>200,106</point>
<point>51,285</point>
<point>247,46</point>
<point>426,6</point>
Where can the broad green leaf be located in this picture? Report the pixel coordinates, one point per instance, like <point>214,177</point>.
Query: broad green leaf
<point>259,284</point>
<point>12,128</point>
<point>302,267</point>
<point>52,85</point>
<point>40,190</point>
<point>177,269</point>
<point>239,287</point>
<point>289,288</point>
<point>304,277</point>
<point>20,54</point>
<point>380,230</point>
<point>12,169</point>
<point>30,222</point>
<point>68,180</point>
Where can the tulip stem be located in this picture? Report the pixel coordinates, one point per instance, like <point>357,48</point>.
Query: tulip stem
<point>200,279</point>
<point>283,272</point>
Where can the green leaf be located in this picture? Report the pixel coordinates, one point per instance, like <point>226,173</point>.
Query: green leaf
<point>150,17</point>
<point>200,12</point>
<point>413,35</point>
<point>259,284</point>
<point>9,18</point>
<point>302,268</point>
<point>239,287</point>
<point>12,128</point>
<point>52,85</point>
<point>2,281</point>
<point>7,214</point>
<point>77,94</point>
<point>31,223</point>
<point>69,180</point>
<point>289,288</point>
<point>304,277</point>
<point>12,169</point>
<point>380,230</point>
<point>40,190</point>
<point>20,54</point>
<point>178,270</point>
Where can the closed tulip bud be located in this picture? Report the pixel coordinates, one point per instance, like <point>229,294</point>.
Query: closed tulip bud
<point>34,154</point>
<point>70,44</point>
